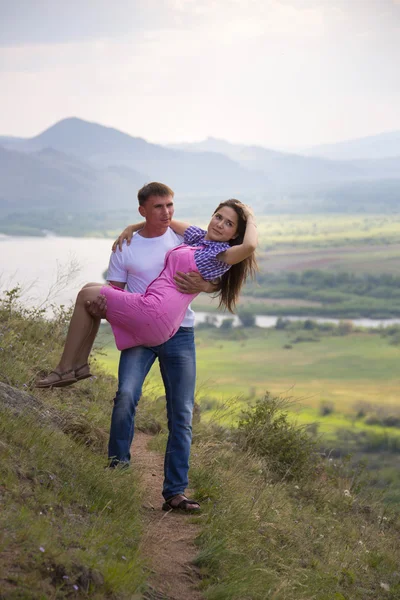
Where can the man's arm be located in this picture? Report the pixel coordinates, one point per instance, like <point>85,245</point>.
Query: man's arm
<point>98,307</point>
<point>178,226</point>
<point>127,235</point>
<point>193,283</point>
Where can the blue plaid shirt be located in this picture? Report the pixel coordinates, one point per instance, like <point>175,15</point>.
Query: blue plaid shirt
<point>205,256</point>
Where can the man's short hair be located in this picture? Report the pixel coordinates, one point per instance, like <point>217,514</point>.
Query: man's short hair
<point>153,189</point>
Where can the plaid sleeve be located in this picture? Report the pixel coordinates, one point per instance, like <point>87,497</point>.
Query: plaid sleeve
<point>193,235</point>
<point>207,263</point>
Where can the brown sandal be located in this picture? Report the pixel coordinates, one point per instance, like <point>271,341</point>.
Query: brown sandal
<point>183,505</point>
<point>84,375</point>
<point>60,382</point>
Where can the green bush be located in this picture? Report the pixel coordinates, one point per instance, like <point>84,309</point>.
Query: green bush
<point>267,431</point>
<point>326,408</point>
<point>247,318</point>
<point>226,324</point>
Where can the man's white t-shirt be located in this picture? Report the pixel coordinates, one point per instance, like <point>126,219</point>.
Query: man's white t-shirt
<point>142,261</point>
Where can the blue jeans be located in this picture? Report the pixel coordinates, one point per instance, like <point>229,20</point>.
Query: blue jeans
<point>177,360</point>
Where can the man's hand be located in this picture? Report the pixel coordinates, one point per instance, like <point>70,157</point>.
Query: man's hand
<point>193,283</point>
<point>98,307</point>
<point>125,235</point>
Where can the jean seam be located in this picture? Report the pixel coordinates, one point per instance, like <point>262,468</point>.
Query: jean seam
<point>188,348</point>
<point>168,395</point>
<point>133,403</point>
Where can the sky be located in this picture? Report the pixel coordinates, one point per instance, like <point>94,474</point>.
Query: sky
<point>278,73</point>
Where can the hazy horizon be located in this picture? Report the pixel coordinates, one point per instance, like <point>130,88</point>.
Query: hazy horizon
<point>283,74</point>
<point>194,141</point>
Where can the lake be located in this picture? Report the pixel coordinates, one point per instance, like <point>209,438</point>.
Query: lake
<point>53,269</point>
<point>38,263</point>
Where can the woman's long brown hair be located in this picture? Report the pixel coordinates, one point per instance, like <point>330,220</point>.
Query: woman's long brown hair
<point>232,281</point>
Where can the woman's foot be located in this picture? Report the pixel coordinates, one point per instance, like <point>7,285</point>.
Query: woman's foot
<point>57,379</point>
<point>83,372</point>
<point>180,502</point>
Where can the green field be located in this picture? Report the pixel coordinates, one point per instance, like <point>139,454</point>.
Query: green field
<point>368,258</point>
<point>328,230</point>
<point>349,372</point>
<point>301,255</point>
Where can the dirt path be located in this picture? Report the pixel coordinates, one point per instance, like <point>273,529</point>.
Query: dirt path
<point>168,539</point>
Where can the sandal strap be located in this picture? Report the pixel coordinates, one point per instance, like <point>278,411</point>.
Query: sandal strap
<point>60,375</point>
<point>186,501</point>
<point>183,503</point>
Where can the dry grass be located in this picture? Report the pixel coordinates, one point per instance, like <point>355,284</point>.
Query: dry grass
<point>315,539</point>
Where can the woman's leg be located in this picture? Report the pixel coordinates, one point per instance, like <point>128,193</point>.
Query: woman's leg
<point>87,344</point>
<point>82,330</point>
<point>86,347</point>
<point>80,337</point>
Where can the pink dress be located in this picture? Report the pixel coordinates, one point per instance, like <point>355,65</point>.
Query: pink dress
<point>151,318</point>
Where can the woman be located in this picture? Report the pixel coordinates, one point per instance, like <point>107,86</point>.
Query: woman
<point>224,252</point>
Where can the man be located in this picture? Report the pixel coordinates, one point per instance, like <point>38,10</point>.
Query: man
<point>135,267</point>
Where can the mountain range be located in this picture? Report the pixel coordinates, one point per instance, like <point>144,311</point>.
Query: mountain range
<point>78,165</point>
<point>372,147</point>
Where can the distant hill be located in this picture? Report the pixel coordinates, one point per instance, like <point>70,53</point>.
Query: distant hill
<point>379,168</point>
<point>104,146</point>
<point>381,195</point>
<point>52,179</point>
<point>79,166</point>
<point>378,146</point>
<point>10,142</point>
<point>90,141</point>
<point>285,170</point>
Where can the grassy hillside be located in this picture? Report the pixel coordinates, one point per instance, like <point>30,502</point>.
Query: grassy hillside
<point>278,521</point>
<point>68,526</point>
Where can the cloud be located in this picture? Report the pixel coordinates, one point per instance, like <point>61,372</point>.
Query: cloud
<point>51,22</point>
<point>23,22</point>
<point>271,71</point>
<point>190,30</point>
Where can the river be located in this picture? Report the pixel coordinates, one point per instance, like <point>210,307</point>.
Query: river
<point>270,320</point>
<point>52,269</point>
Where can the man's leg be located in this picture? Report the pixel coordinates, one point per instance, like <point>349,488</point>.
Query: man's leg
<point>134,365</point>
<point>178,369</point>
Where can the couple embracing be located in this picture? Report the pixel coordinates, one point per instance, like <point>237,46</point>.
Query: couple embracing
<point>163,267</point>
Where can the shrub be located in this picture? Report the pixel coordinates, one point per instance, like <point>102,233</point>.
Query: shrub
<point>266,431</point>
<point>226,324</point>
<point>345,327</point>
<point>282,323</point>
<point>326,408</point>
<point>247,319</point>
